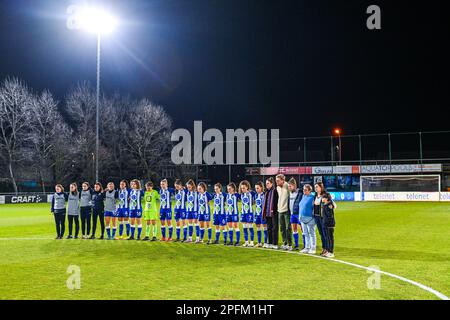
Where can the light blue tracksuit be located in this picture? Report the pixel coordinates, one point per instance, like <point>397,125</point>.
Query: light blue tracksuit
<point>305,209</point>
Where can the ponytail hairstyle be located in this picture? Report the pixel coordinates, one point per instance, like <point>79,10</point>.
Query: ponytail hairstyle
<point>100,185</point>
<point>191,183</point>
<point>137,182</point>
<point>218,185</point>
<point>60,186</point>
<point>272,182</point>
<point>203,186</point>
<point>260,184</point>
<point>87,184</point>
<point>126,183</point>
<point>293,182</point>
<point>232,185</point>
<point>178,182</point>
<point>76,188</point>
<point>244,183</point>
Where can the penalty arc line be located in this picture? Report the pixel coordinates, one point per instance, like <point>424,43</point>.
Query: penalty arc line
<point>415,283</point>
<point>412,282</point>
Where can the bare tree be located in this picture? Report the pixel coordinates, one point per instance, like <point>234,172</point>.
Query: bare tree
<point>148,136</point>
<point>15,101</point>
<point>80,107</point>
<point>50,138</point>
<point>113,127</point>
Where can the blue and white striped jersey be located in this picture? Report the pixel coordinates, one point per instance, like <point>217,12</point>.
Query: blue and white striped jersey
<point>164,198</point>
<point>247,199</point>
<point>219,203</point>
<point>180,200</point>
<point>232,203</point>
<point>192,201</point>
<point>259,201</point>
<point>136,196</point>
<point>203,203</point>
<point>124,195</point>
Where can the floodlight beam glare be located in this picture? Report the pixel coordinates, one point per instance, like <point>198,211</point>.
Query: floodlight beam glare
<point>95,20</point>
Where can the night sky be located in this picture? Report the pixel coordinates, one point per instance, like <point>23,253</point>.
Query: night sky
<point>301,66</point>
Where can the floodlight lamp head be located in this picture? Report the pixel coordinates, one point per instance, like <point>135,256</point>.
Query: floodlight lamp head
<point>97,21</point>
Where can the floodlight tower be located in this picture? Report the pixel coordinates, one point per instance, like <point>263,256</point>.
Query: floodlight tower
<point>99,22</point>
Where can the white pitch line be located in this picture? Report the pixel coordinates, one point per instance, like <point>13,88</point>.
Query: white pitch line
<point>415,283</point>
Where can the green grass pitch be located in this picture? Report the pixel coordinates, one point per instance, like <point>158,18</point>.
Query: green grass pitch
<point>407,239</point>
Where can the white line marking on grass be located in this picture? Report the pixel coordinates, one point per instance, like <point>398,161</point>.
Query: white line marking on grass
<point>415,283</point>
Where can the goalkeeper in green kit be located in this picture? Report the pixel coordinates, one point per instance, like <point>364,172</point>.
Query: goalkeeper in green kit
<point>150,212</point>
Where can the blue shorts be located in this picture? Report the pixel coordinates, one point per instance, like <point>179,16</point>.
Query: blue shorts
<point>204,217</point>
<point>232,218</point>
<point>259,220</point>
<point>165,214</point>
<point>220,220</point>
<point>180,215</point>
<point>295,219</point>
<point>192,215</point>
<point>247,217</point>
<point>136,213</point>
<point>122,212</point>
<point>110,214</point>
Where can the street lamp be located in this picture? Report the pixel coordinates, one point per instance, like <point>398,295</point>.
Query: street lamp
<point>98,22</point>
<point>337,132</point>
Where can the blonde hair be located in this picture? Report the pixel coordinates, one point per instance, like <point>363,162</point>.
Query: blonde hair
<point>60,186</point>
<point>203,185</point>
<point>244,183</point>
<point>191,182</point>
<point>137,182</point>
<point>293,182</point>
<point>76,187</point>
<point>281,176</point>
<point>232,185</point>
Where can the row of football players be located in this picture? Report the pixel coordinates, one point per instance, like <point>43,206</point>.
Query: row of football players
<point>127,206</point>
<point>191,209</point>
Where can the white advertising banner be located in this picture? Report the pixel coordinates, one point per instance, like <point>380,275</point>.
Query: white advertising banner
<point>2,199</point>
<point>376,168</point>
<point>400,196</point>
<point>432,167</point>
<point>445,196</point>
<point>409,168</point>
<point>343,169</point>
<point>402,168</point>
<point>322,170</point>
